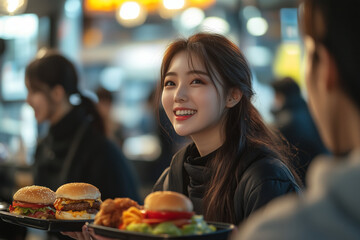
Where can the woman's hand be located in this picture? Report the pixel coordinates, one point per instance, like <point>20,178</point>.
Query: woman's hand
<point>85,234</point>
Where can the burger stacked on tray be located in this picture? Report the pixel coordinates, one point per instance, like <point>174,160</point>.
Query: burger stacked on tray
<point>34,201</point>
<point>77,201</point>
<point>71,201</point>
<point>164,212</point>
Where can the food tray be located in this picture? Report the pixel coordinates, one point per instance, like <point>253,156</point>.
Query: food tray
<point>54,225</point>
<point>222,233</point>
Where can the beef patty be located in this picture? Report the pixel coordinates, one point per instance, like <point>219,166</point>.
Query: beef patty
<point>80,206</point>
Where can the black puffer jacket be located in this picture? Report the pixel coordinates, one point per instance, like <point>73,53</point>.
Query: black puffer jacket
<point>261,180</point>
<point>97,160</point>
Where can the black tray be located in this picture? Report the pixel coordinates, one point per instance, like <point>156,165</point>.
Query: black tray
<point>222,232</point>
<point>53,225</point>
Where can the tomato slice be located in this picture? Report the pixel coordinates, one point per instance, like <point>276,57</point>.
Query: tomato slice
<point>28,205</point>
<point>177,222</point>
<point>167,215</point>
<point>11,208</point>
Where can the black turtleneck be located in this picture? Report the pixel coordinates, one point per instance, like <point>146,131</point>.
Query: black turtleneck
<point>199,175</point>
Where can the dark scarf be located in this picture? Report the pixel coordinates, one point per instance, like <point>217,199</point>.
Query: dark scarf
<point>199,175</point>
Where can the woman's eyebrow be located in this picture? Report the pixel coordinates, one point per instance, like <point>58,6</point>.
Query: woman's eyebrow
<point>170,74</point>
<point>197,72</point>
<point>189,72</point>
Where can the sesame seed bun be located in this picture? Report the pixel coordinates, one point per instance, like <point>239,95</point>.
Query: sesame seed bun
<point>35,194</point>
<point>78,191</point>
<point>167,201</point>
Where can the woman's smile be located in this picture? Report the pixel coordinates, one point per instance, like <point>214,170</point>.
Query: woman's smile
<point>184,113</point>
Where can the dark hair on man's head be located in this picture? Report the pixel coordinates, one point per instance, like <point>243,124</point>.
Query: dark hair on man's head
<point>335,24</point>
<point>286,86</point>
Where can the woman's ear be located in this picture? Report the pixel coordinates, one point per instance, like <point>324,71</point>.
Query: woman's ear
<point>233,97</point>
<point>58,93</point>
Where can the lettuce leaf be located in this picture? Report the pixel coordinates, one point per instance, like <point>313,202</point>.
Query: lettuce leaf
<point>27,211</point>
<point>167,228</point>
<point>197,227</point>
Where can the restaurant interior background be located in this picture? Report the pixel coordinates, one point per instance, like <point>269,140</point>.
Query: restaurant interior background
<point>118,45</point>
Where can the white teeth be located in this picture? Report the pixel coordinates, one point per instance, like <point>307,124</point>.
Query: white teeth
<point>185,112</point>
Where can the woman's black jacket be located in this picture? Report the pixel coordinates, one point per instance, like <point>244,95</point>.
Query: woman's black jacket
<point>262,179</point>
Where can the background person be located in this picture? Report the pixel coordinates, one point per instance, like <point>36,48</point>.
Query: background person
<point>293,119</point>
<point>330,208</point>
<point>75,148</point>
<point>105,105</point>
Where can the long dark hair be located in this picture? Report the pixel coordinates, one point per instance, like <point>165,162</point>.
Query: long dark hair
<point>244,127</point>
<point>333,24</point>
<point>54,69</point>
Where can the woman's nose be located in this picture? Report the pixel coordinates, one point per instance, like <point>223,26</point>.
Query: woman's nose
<point>180,94</point>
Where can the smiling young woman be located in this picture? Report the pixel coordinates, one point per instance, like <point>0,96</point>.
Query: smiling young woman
<point>235,164</point>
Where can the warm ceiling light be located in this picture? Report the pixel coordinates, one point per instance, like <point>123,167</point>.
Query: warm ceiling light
<point>174,4</point>
<point>201,3</point>
<point>131,14</point>
<point>130,10</point>
<point>12,7</point>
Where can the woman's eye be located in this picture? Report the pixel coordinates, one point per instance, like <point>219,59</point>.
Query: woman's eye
<point>197,81</point>
<point>169,83</point>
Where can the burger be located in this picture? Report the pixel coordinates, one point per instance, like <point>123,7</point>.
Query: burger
<point>34,201</point>
<point>163,206</point>
<point>75,201</point>
<point>170,213</point>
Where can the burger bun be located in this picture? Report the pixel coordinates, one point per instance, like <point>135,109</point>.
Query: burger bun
<point>78,191</point>
<point>35,194</point>
<point>63,215</point>
<point>168,201</point>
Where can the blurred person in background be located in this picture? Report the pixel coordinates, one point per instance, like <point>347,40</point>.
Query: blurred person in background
<point>76,148</point>
<point>330,208</point>
<point>234,163</point>
<point>105,106</point>
<point>293,119</point>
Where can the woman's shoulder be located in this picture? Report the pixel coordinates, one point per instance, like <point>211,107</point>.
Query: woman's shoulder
<point>267,169</point>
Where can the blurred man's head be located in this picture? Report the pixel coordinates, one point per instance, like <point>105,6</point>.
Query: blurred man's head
<point>285,89</point>
<point>105,102</point>
<point>332,46</point>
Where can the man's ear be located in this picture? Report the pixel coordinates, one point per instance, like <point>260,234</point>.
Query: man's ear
<point>329,68</point>
<point>233,97</point>
<point>58,93</point>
